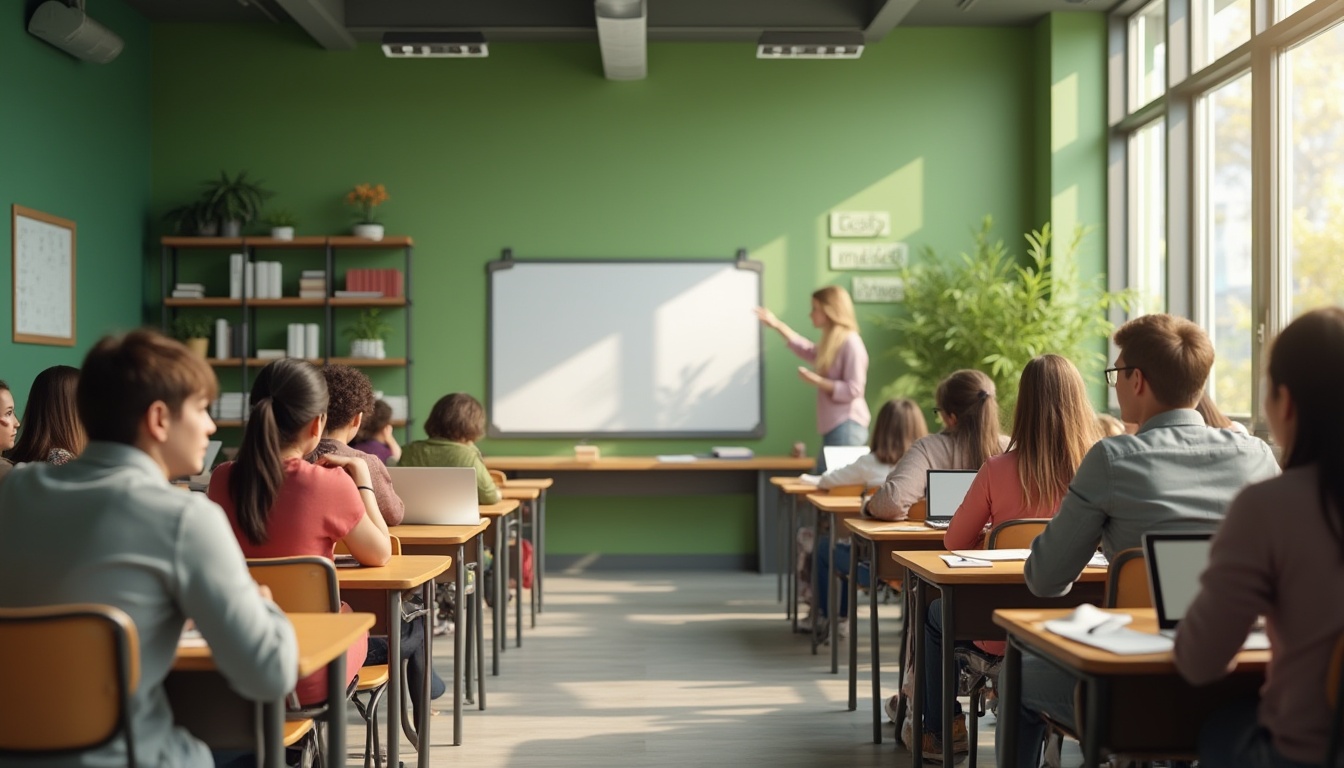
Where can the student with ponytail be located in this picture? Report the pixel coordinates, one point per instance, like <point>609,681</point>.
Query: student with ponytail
<point>840,367</point>
<point>1280,554</point>
<point>282,506</point>
<point>970,435</point>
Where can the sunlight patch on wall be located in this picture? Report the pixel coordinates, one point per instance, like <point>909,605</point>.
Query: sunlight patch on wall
<point>1064,106</point>
<point>1064,219</point>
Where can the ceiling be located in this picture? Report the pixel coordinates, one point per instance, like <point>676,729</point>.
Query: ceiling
<point>338,23</point>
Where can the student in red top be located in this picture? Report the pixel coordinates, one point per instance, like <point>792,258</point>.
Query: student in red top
<point>282,506</point>
<point>1053,428</point>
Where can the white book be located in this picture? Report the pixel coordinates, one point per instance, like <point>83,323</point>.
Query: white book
<point>993,554</point>
<point>250,280</point>
<point>276,279</point>
<point>222,345</point>
<point>311,337</point>
<point>398,405</point>
<point>676,458</point>
<point>294,344</point>
<point>957,561</point>
<point>182,293</point>
<point>189,287</point>
<point>310,274</point>
<point>732,452</point>
<point>270,354</point>
<point>236,275</point>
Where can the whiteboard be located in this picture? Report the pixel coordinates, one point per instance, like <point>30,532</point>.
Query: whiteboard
<point>625,348</point>
<point>44,278</point>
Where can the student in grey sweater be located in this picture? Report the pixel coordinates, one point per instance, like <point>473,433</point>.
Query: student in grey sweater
<point>109,528</point>
<point>1174,473</point>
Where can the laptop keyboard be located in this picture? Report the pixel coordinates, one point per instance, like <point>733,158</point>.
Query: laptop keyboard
<point>941,525</point>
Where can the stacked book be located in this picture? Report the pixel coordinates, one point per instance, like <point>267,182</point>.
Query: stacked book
<point>189,291</point>
<point>371,283</point>
<point>313,284</point>
<point>398,404</point>
<point>303,340</point>
<point>229,406</point>
<point>254,280</point>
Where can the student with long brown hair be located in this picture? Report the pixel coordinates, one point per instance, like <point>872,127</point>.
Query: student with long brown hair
<point>1053,428</point>
<point>840,367</point>
<point>1280,554</point>
<point>970,435</point>
<point>52,431</point>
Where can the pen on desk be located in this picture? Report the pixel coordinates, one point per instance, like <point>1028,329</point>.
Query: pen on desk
<point>1107,623</point>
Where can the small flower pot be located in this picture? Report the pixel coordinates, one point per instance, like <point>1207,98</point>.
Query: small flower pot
<point>368,349</point>
<point>369,231</point>
<point>282,233</point>
<point>232,228</point>
<point>200,346</point>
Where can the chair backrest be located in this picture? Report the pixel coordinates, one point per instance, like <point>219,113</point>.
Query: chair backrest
<point>498,477</point>
<point>1127,581</point>
<point>299,584</point>
<point>341,549</point>
<point>72,673</point>
<point>863,491</point>
<point>919,511</point>
<point>1016,534</point>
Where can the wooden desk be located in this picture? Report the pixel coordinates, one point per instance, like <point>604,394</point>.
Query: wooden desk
<point>401,573</point>
<point>497,514</point>
<point>645,475</point>
<point>878,539</point>
<point>1112,685</point>
<point>838,507</point>
<point>204,703</point>
<point>537,532</point>
<point>969,598</point>
<point>451,540</point>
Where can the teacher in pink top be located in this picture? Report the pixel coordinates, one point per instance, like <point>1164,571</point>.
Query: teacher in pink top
<point>840,367</point>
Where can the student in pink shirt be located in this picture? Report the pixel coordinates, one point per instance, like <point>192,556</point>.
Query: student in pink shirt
<point>841,367</point>
<point>1053,428</point>
<point>1280,554</point>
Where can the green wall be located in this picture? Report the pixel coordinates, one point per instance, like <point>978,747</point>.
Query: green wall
<point>76,140</point>
<point>532,149</point>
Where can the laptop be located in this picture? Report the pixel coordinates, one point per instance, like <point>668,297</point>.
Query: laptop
<point>838,456</point>
<point>201,483</point>
<point>437,495</point>
<point>946,490</point>
<point>1175,562</point>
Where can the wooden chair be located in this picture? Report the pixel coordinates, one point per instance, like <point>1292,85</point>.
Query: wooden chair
<point>1334,683</point>
<point>1016,534</point>
<point>500,479</point>
<point>1127,581</point>
<point>74,669</point>
<point>309,585</point>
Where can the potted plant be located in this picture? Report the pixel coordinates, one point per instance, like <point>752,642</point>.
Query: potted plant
<point>234,201</point>
<point>195,218</point>
<point>366,198</point>
<point>194,331</point>
<point>986,310</point>
<point>282,224</point>
<point>366,335</point>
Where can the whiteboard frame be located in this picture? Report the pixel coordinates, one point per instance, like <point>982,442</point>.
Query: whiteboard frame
<point>18,212</point>
<point>506,261</point>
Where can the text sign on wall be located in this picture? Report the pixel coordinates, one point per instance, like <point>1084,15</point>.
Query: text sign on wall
<point>878,290</point>
<point>868,255</point>
<point>860,224</point>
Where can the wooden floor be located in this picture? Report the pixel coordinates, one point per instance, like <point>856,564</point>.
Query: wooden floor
<point>680,669</point>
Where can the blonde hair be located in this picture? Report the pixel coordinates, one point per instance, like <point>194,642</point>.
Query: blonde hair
<point>899,424</point>
<point>1053,428</point>
<point>969,395</point>
<point>1109,426</point>
<point>839,309</point>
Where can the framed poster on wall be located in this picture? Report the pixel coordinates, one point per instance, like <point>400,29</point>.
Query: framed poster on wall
<point>43,263</point>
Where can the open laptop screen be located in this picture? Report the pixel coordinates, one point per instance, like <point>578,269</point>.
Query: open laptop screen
<point>1175,562</point>
<point>838,456</point>
<point>946,490</point>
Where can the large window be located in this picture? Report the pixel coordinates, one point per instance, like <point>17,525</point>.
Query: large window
<point>1226,212</point>
<point>1233,204</point>
<point>1148,233</point>
<point>1315,174</point>
<point>1147,54</point>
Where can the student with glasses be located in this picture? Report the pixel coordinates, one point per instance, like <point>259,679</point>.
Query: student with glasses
<point>1173,471</point>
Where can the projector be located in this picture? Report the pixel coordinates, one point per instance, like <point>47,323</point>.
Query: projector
<point>71,30</point>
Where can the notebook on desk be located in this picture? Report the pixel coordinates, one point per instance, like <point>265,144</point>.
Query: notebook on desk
<point>838,456</point>
<point>945,490</point>
<point>437,495</point>
<point>1175,562</point>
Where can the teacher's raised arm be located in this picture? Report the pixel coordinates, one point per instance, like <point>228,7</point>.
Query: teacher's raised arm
<point>839,366</point>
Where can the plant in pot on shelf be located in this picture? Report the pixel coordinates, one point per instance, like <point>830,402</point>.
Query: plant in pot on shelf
<point>235,201</point>
<point>194,331</point>
<point>366,335</point>
<point>282,224</point>
<point>194,218</point>
<point>366,198</point>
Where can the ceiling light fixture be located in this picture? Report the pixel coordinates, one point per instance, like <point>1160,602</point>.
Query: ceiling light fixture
<point>435,45</point>
<point>809,45</point>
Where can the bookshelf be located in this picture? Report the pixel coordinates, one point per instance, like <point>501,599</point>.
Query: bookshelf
<point>203,257</point>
